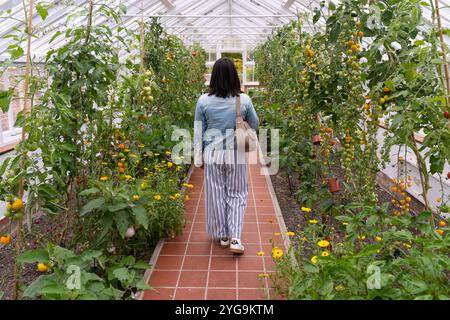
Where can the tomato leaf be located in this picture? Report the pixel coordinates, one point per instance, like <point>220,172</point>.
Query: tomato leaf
<point>42,10</point>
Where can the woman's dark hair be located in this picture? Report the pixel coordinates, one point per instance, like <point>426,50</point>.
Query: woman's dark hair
<point>224,79</point>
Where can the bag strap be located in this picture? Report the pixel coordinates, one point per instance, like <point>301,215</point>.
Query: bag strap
<point>238,107</point>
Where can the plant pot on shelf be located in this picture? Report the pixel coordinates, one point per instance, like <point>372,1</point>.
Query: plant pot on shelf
<point>333,185</point>
<point>317,139</point>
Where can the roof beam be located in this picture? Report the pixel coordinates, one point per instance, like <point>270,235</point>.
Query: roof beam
<point>288,4</point>
<point>206,16</point>
<point>168,4</point>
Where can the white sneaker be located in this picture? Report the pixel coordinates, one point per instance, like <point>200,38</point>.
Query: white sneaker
<point>236,246</point>
<point>225,242</point>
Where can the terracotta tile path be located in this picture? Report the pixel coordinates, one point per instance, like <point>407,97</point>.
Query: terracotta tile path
<point>194,266</point>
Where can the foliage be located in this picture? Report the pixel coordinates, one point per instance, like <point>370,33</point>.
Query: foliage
<point>334,83</point>
<point>87,276</point>
<point>383,258</point>
<point>97,154</point>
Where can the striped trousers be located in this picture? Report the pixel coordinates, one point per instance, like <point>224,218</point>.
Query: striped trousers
<point>226,190</point>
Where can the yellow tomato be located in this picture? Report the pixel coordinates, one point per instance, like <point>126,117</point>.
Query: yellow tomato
<point>5,240</point>
<point>17,205</point>
<point>42,267</point>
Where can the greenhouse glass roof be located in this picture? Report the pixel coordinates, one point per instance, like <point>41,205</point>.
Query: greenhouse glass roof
<point>232,23</point>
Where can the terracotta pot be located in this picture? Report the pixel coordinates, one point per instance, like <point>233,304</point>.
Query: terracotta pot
<point>316,139</point>
<point>333,185</point>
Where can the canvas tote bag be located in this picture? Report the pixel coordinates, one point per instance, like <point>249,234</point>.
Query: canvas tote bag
<point>246,138</point>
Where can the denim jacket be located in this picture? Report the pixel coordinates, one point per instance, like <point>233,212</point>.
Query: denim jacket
<point>215,121</point>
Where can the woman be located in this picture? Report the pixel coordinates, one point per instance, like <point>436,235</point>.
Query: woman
<point>226,185</point>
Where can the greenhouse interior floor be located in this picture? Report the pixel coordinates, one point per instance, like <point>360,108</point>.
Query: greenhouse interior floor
<point>194,266</point>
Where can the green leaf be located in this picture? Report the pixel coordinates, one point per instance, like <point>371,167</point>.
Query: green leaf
<point>63,254</point>
<point>117,207</point>
<point>123,8</point>
<point>344,218</point>
<point>403,235</point>
<point>91,205</point>
<point>88,276</point>
<point>68,147</point>
<point>142,285</point>
<point>42,10</point>
<point>140,214</point>
<point>38,285</point>
<point>16,51</point>
<point>310,268</point>
<point>122,222</point>
<point>371,220</point>
<point>48,191</point>
<point>316,16</point>
<point>57,34</point>
<point>34,256</point>
<point>121,274</point>
<point>141,265</point>
<point>88,192</point>
<point>91,255</point>
<point>4,166</point>
<point>335,31</point>
<point>5,99</point>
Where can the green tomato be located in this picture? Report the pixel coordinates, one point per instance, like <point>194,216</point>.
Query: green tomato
<point>18,216</point>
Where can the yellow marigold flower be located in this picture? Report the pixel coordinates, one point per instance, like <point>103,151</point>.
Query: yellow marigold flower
<point>361,237</point>
<point>313,221</point>
<point>157,197</point>
<point>123,159</point>
<point>407,245</point>
<point>133,155</point>
<point>172,198</point>
<point>135,197</point>
<point>314,259</point>
<point>306,209</point>
<point>156,154</point>
<point>177,195</point>
<point>263,275</point>
<point>277,253</point>
<point>126,150</point>
<point>145,169</point>
<point>290,233</point>
<point>325,254</point>
<point>186,198</point>
<point>260,253</point>
<point>277,234</point>
<point>323,243</point>
<point>178,168</point>
<point>190,186</point>
<point>168,152</point>
<point>169,164</point>
<point>103,178</point>
<point>378,238</point>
